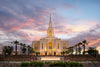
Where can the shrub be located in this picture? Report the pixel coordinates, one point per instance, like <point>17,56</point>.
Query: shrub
<point>35,64</point>
<point>81,65</point>
<point>40,64</point>
<point>31,63</point>
<point>47,62</point>
<point>24,64</point>
<point>67,64</point>
<point>57,64</point>
<point>73,64</point>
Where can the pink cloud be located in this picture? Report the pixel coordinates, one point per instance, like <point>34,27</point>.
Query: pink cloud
<point>37,38</point>
<point>22,25</point>
<point>93,42</point>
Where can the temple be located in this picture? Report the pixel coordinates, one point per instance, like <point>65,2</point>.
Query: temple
<point>50,45</point>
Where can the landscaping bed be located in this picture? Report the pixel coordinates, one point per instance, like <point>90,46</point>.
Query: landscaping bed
<point>49,64</point>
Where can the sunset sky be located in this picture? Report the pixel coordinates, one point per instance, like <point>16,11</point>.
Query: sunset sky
<point>28,20</point>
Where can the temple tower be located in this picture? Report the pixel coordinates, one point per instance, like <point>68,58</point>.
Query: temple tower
<point>50,31</point>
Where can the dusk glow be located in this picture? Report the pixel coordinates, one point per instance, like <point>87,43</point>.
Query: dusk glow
<point>28,20</point>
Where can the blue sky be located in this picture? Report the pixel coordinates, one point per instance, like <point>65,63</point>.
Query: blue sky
<point>27,20</point>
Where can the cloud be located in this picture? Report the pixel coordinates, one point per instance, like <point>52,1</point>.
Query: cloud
<point>21,25</point>
<point>93,42</point>
<point>26,21</point>
<point>92,37</point>
<point>68,6</point>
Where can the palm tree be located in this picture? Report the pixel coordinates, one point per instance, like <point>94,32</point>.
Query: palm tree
<point>79,48</point>
<point>84,43</point>
<point>21,44</point>
<point>62,53</point>
<point>37,53</point>
<point>29,48</point>
<point>66,52</point>
<point>71,50</point>
<point>8,51</point>
<point>4,50</point>
<point>76,48</point>
<point>92,51</point>
<point>16,43</point>
<point>24,49</point>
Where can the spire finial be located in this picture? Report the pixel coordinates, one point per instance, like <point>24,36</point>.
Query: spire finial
<point>50,23</point>
<point>50,14</point>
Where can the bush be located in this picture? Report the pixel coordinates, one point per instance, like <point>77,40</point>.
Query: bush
<point>81,65</point>
<point>57,64</point>
<point>67,64</point>
<point>40,64</point>
<point>31,64</point>
<point>73,64</point>
<point>47,62</point>
<point>35,64</point>
<point>24,64</point>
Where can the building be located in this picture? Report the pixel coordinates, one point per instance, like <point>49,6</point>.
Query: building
<point>50,45</point>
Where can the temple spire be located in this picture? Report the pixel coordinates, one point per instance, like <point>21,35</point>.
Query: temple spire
<point>50,31</point>
<point>50,22</point>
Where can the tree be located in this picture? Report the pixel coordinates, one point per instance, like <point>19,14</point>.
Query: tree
<point>62,53</point>
<point>10,50</point>
<point>37,53</point>
<point>21,44</point>
<point>16,43</point>
<point>66,52</point>
<point>92,51</point>
<point>76,48</point>
<point>84,43</point>
<point>24,49</point>
<point>4,49</point>
<point>30,50</point>
<point>70,50</point>
<point>79,48</point>
<point>7,50</point>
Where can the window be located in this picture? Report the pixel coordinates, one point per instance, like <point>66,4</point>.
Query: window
<point>50,45</point>
<point>42,45</point>
<point>58,45</point>
<point>36,47</point>
<point>50,33</point>
<point>64,46</point>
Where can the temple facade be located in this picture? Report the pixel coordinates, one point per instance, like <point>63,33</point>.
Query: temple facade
<point>50,45</point>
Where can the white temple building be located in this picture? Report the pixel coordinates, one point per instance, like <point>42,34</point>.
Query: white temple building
<point>50,45</point>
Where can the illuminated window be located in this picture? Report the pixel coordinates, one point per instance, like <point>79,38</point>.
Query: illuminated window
<point>50,33</point>
<point>64,46</point>
<point>42,45</point>
<point>58,45</point>
<point>35,46</point>
<point>50,45</point>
